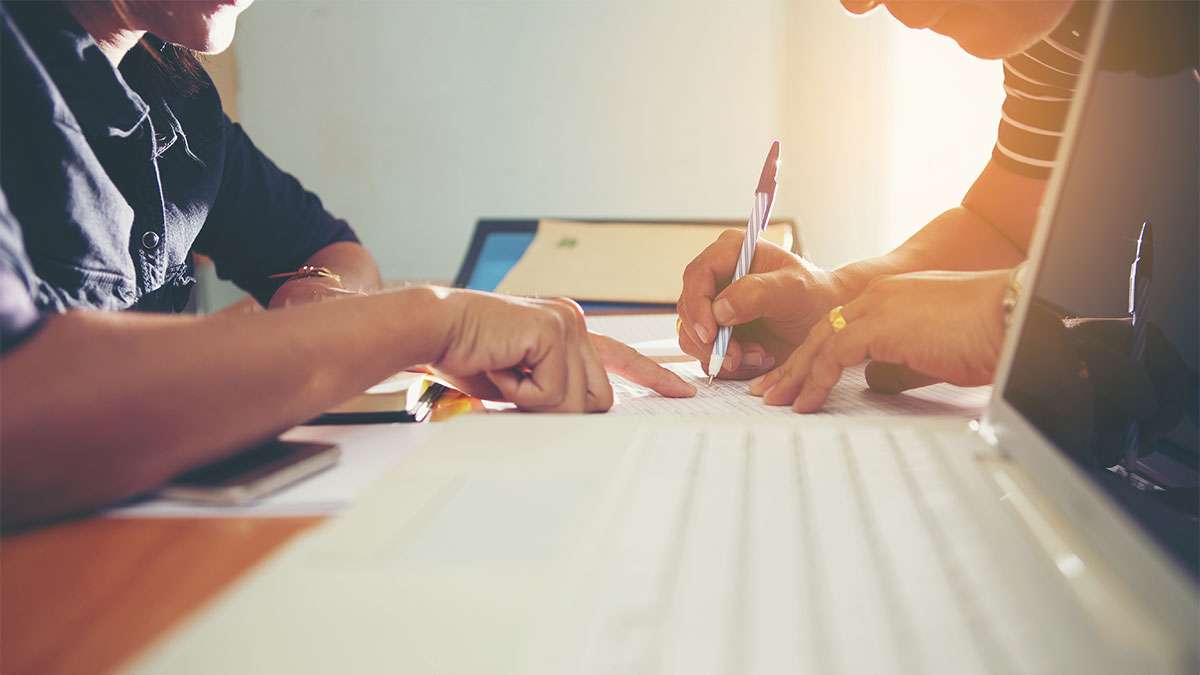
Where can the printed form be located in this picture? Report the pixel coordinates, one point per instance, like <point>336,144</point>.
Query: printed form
<point>727,398</point>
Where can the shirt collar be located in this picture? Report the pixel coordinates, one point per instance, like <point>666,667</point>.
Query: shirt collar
<point>95,91</point>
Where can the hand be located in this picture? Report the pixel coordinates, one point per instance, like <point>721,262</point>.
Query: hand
<point>308,289</point>
<point>538,354</point>
<point>534,353</point>
<point>945,325</point>
<point>772,307</point>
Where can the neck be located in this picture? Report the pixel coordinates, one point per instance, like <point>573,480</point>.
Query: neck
<point>112,32</point>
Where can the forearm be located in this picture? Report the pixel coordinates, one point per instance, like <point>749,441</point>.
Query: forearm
<point>352,262</point>
<point>99,406</point>
<point>957,240</point>
<point>991,229</point>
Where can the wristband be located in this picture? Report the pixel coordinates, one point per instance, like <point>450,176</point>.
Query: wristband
<point>307,271</point>
<point>1012,292</point>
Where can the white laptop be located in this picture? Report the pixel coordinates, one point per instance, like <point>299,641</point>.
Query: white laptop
<point>600,544</point>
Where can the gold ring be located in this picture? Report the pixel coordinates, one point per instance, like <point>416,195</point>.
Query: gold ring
<point>836,319</point>
<point>678,326</point>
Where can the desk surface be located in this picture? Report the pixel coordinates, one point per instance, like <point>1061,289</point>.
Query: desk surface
<point>108,587</point>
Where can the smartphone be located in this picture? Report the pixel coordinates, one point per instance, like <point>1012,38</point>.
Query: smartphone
<point>252,474</point>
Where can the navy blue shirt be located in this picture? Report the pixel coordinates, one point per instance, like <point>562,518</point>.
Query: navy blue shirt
<point>111,178</point>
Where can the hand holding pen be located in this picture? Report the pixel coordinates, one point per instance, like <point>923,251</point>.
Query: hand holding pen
<point>760,215</point>
<point>770,308</point>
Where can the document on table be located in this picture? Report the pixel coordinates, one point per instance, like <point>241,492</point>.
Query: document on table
<point>727,398</point>
<point>616,262</point>
<point>637,329</point>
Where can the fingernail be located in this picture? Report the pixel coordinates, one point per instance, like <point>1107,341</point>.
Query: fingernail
<point>723,311</point>
<point>700,332</point>
<point>756,382</point>
<point>753,359</point>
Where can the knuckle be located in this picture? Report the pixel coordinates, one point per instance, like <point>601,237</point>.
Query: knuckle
<point>564,306</point>
<point>554,323</point>
<point>693,271</point>
<point>604,399</point>
<point>730,235</point>
<point>756,287</point>
<point>571,306</point>
<point>690,268</point>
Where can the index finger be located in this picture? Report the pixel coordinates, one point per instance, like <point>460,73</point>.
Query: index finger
<point>782,385</point>
<point>627,362</point>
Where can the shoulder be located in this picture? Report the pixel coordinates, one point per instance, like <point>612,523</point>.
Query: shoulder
<point>1039,85</point>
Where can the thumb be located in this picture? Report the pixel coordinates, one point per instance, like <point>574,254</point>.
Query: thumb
<point>746,299</point>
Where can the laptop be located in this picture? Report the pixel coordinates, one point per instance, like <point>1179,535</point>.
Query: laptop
<point>597,544</point>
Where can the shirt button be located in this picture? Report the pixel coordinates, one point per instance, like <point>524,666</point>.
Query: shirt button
<point>150,240</point>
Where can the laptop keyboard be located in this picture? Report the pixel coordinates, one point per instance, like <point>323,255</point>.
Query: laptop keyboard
<point>894,573</point>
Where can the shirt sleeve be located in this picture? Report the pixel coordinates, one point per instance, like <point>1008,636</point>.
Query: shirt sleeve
<point>263,221</point>
<point>1039,84</point>
<point>19,316</point>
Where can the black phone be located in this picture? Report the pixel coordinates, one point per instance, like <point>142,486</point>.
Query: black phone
<point>252,474</point>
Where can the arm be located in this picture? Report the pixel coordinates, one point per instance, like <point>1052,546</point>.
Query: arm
<point>353,262</point>
<point>928,326</point>
<point>775,306</point>
<point>264,222</point>
<point>348,259</point>
<point>99,406</point>
<point>991,229</point>
<point>87,419</point>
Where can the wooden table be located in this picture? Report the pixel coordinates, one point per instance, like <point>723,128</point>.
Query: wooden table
<point>87,596</point>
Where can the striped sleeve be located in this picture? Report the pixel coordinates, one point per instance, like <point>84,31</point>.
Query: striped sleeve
<point>1038,86</point>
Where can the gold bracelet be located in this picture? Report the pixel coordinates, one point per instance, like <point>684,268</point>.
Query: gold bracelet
<point>307,271</point>
<point>1012,292</point>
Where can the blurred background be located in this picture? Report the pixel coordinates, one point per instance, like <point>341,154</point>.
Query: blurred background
<point>412,119</point>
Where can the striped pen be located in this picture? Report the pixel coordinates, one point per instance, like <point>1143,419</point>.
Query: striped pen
<point>760,215</point>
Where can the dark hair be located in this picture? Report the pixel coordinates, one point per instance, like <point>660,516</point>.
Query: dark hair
<point>173,69</point>
<point>177,69</point>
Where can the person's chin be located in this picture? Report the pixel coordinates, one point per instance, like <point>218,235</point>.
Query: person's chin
<point>215,43</point>
<point>210,36</point>
<point>987,49</point>
<point>979,35</point>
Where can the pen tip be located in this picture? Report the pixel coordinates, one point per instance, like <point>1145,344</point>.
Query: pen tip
<point>710,380</point>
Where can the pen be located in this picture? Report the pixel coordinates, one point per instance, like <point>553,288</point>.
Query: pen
<point>428,399</point>
<point>1141,275</point>
<point>764,199</point>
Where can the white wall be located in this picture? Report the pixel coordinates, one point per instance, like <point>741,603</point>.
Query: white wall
<point>889,127</point>
<point>413,119</point>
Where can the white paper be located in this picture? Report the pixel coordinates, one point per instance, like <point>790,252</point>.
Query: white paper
<point>727,398</point>
<point>635,328</point>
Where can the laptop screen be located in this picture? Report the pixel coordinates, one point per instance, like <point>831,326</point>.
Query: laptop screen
<point>1107,360</point>
<point>499,253</point>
